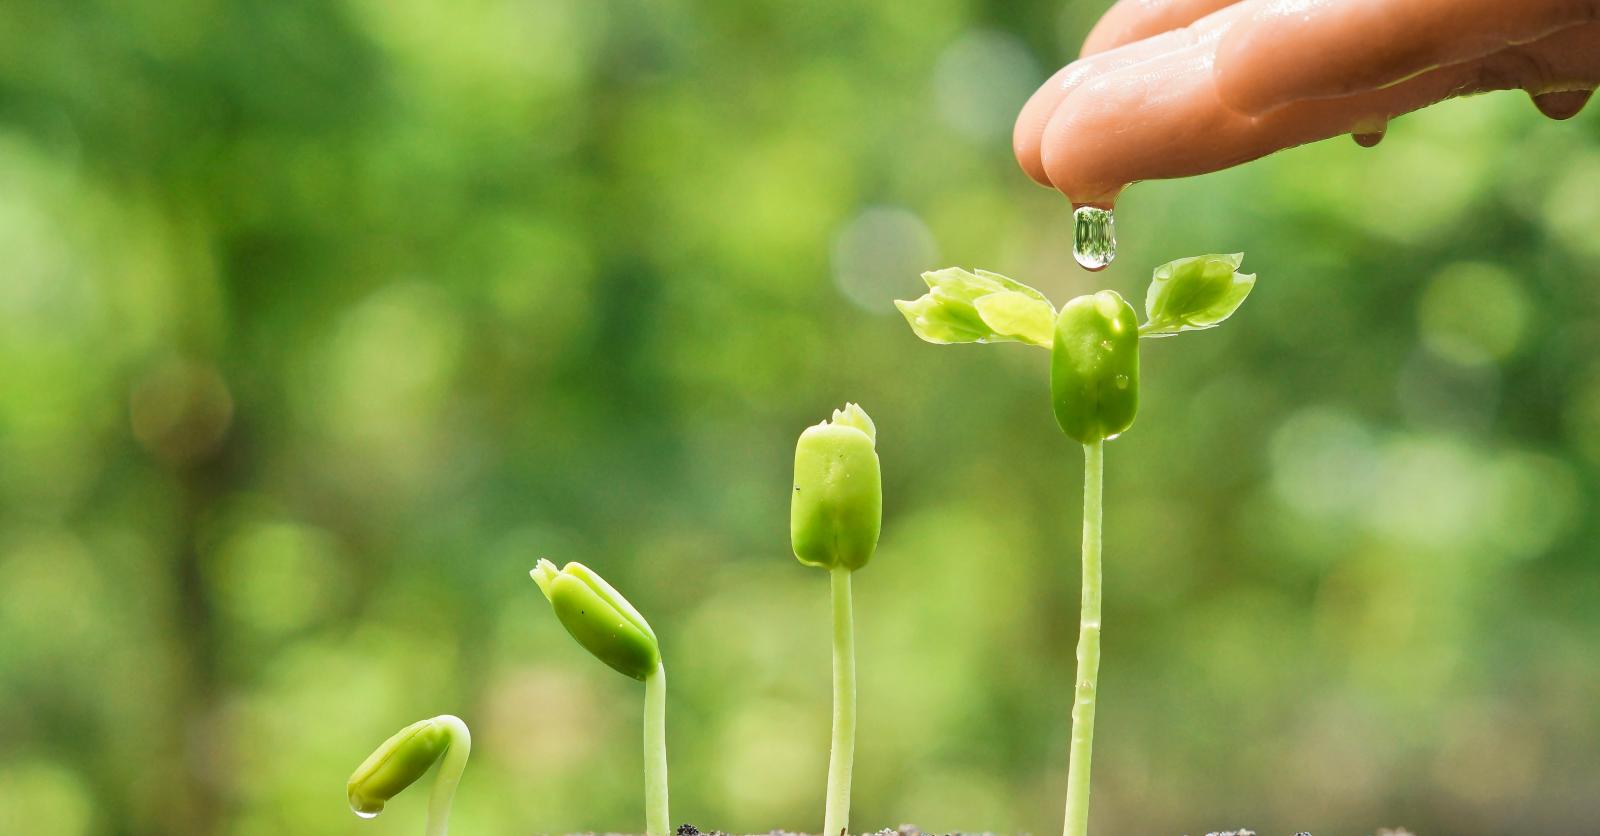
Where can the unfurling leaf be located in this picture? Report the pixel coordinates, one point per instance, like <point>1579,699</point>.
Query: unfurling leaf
<point>1195,293</point>
<point>983,307</point>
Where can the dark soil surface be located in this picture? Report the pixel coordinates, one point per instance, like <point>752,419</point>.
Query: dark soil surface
<point>913,830</point>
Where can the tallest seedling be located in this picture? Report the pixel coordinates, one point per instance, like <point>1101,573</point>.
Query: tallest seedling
<point>1094,386</point>
<point>834,518</point>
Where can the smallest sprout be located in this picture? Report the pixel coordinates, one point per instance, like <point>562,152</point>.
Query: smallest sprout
<point>402,759</point>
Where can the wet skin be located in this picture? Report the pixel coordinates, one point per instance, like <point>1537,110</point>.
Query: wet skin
<point>1174,88</point>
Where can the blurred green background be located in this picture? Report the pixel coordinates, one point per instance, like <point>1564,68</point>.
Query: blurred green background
<point>320,322</point>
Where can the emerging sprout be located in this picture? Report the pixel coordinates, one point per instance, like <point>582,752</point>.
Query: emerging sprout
<point>609,627</point>
<point>1094,387</point>
<point>600,619</point>
<point>403,758</point>
<point>838,494</point>
<point>834,518</point>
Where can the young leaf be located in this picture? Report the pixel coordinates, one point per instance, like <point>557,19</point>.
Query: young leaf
<point>1017,314</point>
<point>982,307</point>
<point>1195,293</point>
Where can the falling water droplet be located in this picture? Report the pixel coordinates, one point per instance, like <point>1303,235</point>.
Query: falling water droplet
<point>1094,237</point>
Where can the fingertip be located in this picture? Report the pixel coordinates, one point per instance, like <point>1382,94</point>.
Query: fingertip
<point>1027,134</point>
<point>1073,141</point>
<point>1025,139</point>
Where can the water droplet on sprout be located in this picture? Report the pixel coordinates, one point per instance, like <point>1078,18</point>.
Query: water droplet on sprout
<point>1094,237</point>
<point>366,814</point>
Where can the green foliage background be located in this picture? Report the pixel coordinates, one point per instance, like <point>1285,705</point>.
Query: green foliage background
<point>321,321</point>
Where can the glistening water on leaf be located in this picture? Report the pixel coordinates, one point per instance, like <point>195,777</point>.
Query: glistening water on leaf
<point>835,515</point>
<point>1094,387</point>
<point>404,758</point>
<point>611,629</point>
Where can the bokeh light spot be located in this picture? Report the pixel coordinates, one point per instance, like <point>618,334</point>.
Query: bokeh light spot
<point>877,255</point>
<point>981,81</point>
<point>40,798</point>
<point>180,409</point>
<point>1473,313</point>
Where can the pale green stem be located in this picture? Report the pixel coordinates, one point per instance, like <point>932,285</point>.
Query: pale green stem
<point>842,760</point>
<point>1077,823</point>
<point>451,766</point>
<point>657,816</point>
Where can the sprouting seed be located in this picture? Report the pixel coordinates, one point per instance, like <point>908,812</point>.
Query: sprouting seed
<point>609,627</point>
<point>835,513</point>
<point>404,758</point>
<point>1094,386</point>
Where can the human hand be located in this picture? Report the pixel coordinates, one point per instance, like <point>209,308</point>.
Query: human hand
<point>1174,88</point>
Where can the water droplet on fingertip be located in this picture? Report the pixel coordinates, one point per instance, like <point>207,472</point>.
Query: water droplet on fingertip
<point>1369,130</point>
<point>1562,105</point>
<point>1094,237</point>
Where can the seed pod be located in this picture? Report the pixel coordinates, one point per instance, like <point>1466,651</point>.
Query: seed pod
<point>600,619</point>
<point>1094,367</point>
<point>837,506</point>
<point>400,761</point>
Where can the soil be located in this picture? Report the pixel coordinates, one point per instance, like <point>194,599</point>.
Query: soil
<point>913,830</point>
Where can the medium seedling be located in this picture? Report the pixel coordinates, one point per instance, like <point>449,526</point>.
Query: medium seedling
<point>404,758</point>
<point>1094,385</point>
<point>835,515</point>
<point>609,627</point>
